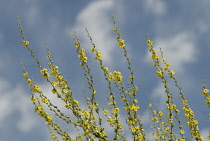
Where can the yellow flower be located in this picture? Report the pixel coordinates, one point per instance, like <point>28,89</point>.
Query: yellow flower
<point>67,106</point>
<point>155,57</point>
<point>182,131</point>
<point>77,45</point>
<point>93,49</point>
<point>48,56</point>
<point>117,110</point>
<point>64,100</point>
<point>43,70</point>
<point>167,65</point>
<point>98,56</point>
<point>124,100</point>
<point>150,105</point>
<point>75,101</point>
<point>33,99</point>
<point>133,129</point>
<point>65,90</point>
<point>149,42</point>
<point>111,77</point>
<point>36,88</point>
<point>53,136</point>
<point>112,97</point>
<point>135,88</point>
<point>30,82</point>
<point>114,29</point>
<point>59,77</point>
<point>135,101</point>
<point>163,59</point>
<point>25,43</point>
<point>205,90</point>
<point>94,91</point>
<point>170,120</point>
<point>54,90</point>
<point>25,75</point>
<point>92,106</point>
<point>49,117</point>
<point>106,112</point>
<point>84,112</point>
<point>121,43</point>
<point>208,100</point>
<point>54,83</point>
<point>45,75</point>
<point>159,73</point>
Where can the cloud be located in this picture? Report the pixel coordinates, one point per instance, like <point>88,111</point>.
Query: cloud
<point>14,99</point>
<point>205,133</point>
<point>178,50</point>
<point>95,17</point>
<point>32,15</point>
<point>27,122</point>
<point>202,26</point>
<point>6,107</point>
<point>159,93</point>
<point>157,7</point>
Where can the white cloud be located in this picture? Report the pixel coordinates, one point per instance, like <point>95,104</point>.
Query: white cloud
<point>159,94</point>
<point>178,51</point>
<point>6,107</point>
<point>158,7</point>
<point>96,19</point>
<point>25,107</point>
<point>205,133</point>
<point>202,26</point>
<point>32,15</point>
<point>14,99</point>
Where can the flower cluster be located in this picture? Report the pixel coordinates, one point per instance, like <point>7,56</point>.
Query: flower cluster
<point>91,120</point>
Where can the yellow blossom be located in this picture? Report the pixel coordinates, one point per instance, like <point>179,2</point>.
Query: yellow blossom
<point>48,56</point>
<point>25,43</point>
<point>30,83</point>
<point>150,105</point>
<point>33,99</point>
<point>121,43</point>
<point>77,45</point>
<point>135,101</point>
<point>149,42</point>
<point>54,90</point>
<point>114,29</point>
<point>205,90</point>
<point>84,112</point>
<point>106,112</point>
<point>98,56</point>
<point>36,88</point>
<point>208,100</point>
<point>111,77</point>
<point>54,83</point>
<point>25,75</point>
<point>93,49</point>
<point>49,117</point>
<point>182,131</point>
<point>168,65</point>
<point>135,88</point>
<point>124,100</point>
<point>94,91</point>
<point>67,106</point>
<point>65,90</point>
<point>163,59</point>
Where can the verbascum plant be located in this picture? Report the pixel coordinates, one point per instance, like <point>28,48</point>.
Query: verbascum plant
<point>91,122</point>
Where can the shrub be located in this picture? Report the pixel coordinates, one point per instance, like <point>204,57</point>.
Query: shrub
<point>93,121</point>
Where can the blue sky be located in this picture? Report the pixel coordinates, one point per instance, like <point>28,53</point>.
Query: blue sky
<point>180,28</point>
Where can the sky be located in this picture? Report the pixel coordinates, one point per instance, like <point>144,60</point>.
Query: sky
<point>180,28</point>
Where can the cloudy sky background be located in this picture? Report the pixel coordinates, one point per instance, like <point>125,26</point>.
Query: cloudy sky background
<point>180,28</point>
